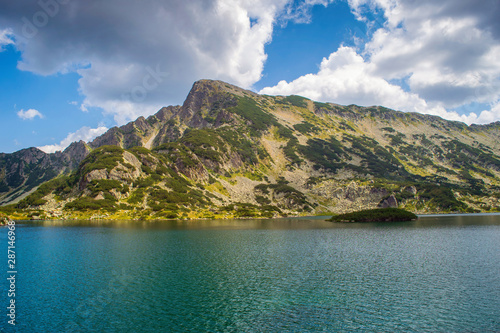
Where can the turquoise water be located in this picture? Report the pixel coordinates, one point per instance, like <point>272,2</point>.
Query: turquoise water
<point>437,274</point>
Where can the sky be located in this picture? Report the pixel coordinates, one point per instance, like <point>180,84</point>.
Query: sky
<point>72,69</point>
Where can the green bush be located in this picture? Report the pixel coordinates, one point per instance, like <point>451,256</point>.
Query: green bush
<point>205,143</point>
<point>137,196</point>
<point>248,109</point>
<point>144,182</point>
<point>306,128</point>
<point>325,155</point>
<point>290,151</point>
<point>35,198</point>
<point>104,185</point>
<point>105,157</point>
<point>241,145</point>
<point>441,196</point>
<point>86,203</point>
<point>262,200</point>
<point>318,106</point>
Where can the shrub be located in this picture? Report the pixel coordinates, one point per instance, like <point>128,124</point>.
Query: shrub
<point>441,196</point>
<point>104,185</point>
<point>306,128</point>
<point>290,151</point>
<point>375,215</point>
<point>262,200</point>
<point>86,203</point>
<point>319,106</point>
<point>324,154</point>
<point>248,109</point>
<point>241,145</point>
<point>105,157</point>
<point>137,196</point>
<point>35,198</point>
<point>144,182</point>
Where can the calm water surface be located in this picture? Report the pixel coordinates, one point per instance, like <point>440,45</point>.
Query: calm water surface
<point>437,274</point>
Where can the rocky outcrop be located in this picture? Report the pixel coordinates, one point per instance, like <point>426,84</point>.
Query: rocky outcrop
<point>24,170</point>
<point>74,154</point>
<point>390,202</point>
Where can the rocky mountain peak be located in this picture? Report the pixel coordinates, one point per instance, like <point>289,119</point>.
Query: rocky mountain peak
<point>29,155</point>
<point>75,153</point>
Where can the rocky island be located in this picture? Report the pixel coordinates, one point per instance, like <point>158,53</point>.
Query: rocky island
<point>375,215</point>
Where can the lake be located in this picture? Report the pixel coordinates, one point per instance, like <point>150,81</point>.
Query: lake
<point>437,274</point>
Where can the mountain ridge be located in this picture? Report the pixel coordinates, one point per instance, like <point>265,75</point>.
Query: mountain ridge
<point>235,152</point>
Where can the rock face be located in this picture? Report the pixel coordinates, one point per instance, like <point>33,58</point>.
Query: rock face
<point>390,202</point>
<point>22,171</point>
<point>227,150</point>
<point>74,154</point>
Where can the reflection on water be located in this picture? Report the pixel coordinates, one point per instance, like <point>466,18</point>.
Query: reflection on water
<point>436,274</point>
<point>316,222</point>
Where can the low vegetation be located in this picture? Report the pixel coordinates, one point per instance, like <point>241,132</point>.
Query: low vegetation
<point>375,215</point>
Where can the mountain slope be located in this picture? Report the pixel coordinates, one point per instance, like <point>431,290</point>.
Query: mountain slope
<point>230,152</point>
<point>24,170</point>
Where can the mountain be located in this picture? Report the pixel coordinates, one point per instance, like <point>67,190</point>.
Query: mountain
<point>228,152</point>
<point>24,170</point>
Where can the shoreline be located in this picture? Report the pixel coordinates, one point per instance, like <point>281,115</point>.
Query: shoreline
<point>294,217</point>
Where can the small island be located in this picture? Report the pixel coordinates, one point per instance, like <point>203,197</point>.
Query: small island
<point>375,215</point>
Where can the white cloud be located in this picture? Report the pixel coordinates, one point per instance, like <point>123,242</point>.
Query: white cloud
<point>134,57</point>
<point>447,50</point>
<point>29,114</point>
<point>299,12</point>
<point>116,46</point>
<point>446,53</point>
<point>5,38</point>
<point>345,78</point>
<point>485,116</point>
<point>85,133</point>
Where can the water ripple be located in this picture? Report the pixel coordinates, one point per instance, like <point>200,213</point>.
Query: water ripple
<point>407,278</point>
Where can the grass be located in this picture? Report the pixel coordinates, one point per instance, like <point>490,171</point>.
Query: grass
<point>306,128</point>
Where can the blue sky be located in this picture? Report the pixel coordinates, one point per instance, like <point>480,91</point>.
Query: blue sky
<point>71,69</point>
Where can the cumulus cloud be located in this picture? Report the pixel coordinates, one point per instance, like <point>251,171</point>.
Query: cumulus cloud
<point>445,54</point>
<point>134,57</point>
<point>116,44</point>
<point>85,133</point>
<point>485,116</point>
<point>345,77</point>
<point>29,114</point>
<point>448,50</point>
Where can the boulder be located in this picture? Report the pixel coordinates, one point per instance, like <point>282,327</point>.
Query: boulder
<point>390,202</point>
